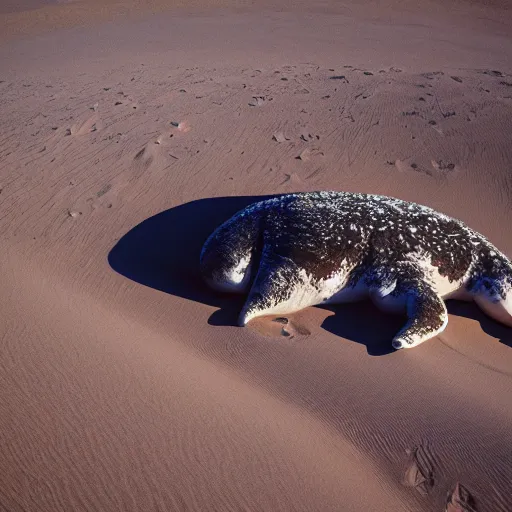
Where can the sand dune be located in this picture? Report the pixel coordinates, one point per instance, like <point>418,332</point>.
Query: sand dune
<point>126,138</point>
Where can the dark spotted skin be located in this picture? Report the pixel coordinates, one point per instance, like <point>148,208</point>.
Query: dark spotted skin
<point>316,231</point>
<point>238,237</point>
<point>371,237</point>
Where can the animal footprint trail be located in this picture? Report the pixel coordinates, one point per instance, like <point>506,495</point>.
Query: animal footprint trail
<point>232,127</point>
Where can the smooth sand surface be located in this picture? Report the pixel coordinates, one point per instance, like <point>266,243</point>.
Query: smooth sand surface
<point>125,138</point>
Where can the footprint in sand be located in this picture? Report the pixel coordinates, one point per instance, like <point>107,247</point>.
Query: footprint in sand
<point>411,165</point>
<point>128,104</point>
<point>421,169</point>
<point>292,181</point>
<point>290,329</point>
<point>280,327</point>
<point>309,153</point>
<point>165,137</point>
<point>460,500</point>
<point>492,72</point>
<point>103,198</point>
<point>158,150</point>
<point>280,137</point>
<point>258,101</point>
<point>103,190</point>
<point>443,166</point>
<point>144,158</point>
<point>90,125</point>
<point>419,470</point>
<point>432,75</point>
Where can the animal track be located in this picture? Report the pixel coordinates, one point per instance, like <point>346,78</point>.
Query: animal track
<point>144,158</point>
<point>104,190</point>
<point>280,137</point>
<point>492,72</point>
<point>408,165</point>
<point>419,471</point>
<point>432,75</point>
<point>460,500</point>
<point>309,153</point>
<point>290,329</point>
<point>441,165</point>
<point>280,327</point>
<point>90,125</point>
<point>258,101</point>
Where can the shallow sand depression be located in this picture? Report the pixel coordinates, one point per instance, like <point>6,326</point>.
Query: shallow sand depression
<point>129,132</point>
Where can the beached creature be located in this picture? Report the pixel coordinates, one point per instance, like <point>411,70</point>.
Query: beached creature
<point>306,249</point>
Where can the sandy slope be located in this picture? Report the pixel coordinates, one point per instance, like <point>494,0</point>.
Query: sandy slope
<point>123,383</point>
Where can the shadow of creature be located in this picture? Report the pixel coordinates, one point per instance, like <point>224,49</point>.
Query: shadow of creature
<point>488,325</point>
<point>364,323</point>
<point>162,252</point>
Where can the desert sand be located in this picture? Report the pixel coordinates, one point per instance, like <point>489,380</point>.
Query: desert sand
<point>129,131</point>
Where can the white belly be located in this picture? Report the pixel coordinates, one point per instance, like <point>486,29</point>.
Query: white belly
<point>390,303</point>
<point>333,290</point>
<point>349,294</point>
<point>309,292</point>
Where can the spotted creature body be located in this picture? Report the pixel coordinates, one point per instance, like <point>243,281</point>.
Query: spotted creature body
<point>305,249</point>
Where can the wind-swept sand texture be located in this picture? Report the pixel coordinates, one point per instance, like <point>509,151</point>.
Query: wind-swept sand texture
<point>125,138</point>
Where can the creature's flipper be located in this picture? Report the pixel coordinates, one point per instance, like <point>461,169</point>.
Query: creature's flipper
<point>426,312</point>
<point>280,287</point>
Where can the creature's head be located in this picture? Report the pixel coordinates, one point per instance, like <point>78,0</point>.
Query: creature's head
<point>228,255</point>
